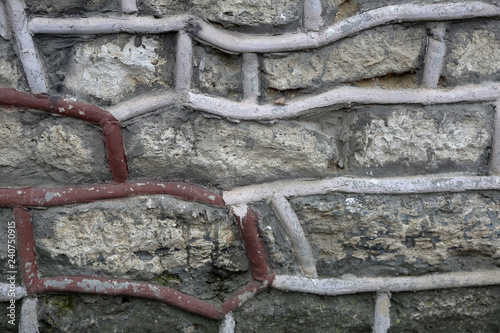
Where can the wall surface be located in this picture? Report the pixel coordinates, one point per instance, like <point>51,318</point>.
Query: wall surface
<point>250,166</point>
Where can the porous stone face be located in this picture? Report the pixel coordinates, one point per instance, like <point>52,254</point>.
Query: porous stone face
<point>71,7</point>
<point>107,69</point>
<point>278,311</point>
<point>155,238</point>
<point>39,149</point>
<point>409,139</point>
<point>217,73</point>
<point>211,151</point>
<point>11,74</point>
<point>401,234</point>
<point>94,313</point>
<point>234,12</point>
<point>473,53</point>
<point>448,310</point>
<point>372,53</point>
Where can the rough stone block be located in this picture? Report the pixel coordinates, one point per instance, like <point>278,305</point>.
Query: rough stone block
<point>37,148</point>
<point>92,313</point>
<point>453,310</point>
<point>376,52</point>
<point>4,325</point>
<point>11,71</point>
<point>107,69</point>
<point>185,245</point>
<point>401,234</point>
<point>197,149</point>
<point>400,140</point>
<point>473,53</point>
<point>217,73</point>
<point>71,7</point>
<point>278,311</point>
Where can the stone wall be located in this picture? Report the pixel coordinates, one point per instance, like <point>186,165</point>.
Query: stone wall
<point>242,166</point>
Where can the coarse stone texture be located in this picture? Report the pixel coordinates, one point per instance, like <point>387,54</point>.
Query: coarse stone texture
<point>37,148</point>
<point>132,65</point>
<point>376,52</point>
<point>217,73</point>
<point>264,13</point>
<point>473,53</point>
<point>56,8</point>
<point>278,311</point>
<point>449,310</point>
<point>6,216</point>
<point>401,234</point>
<point>11,72</point>
<point>400,140</point>
<point>181,145</point>
<point>4,323</point>
<point>100,314</point>
<point>192,247</point>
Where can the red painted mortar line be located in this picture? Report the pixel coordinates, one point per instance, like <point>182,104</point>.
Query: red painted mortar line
<point>26,250</point>
<point>248,228</point>
<point>246,293</point>
<point>89,113</point>
<point>114,287</point>
<point>67,195</point>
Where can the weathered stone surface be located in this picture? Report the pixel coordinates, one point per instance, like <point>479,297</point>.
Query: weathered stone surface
<point>473,53</point>
<point>108,69</point>
<point>234,12</point>
<point>39,149</point>
<point>4,324</point>
<point>409,139</point>
<point>377,52</point>
<point>185,245</point>
<point>91,313</point>
<point>71,7</point>
<point>397,234</point>
<point>217,73</point>
<point>11,72</point>
<point>454,310</point>
<point>197,149</point>
<point>278,311</point>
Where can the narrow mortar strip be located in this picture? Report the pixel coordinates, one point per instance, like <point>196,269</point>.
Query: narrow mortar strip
<point>19,292</point>
<point>27,52</point>
<point>183,62</point>
<point>434,56</point>
<point>251,80</point>
<point>382,315</point>
<point>143,104</point>
<point>115,287</point>
<point>28,322</point>
<point>246,293</point>
<point>312,19</point>
<point>495,154</point>
<point>74,194</point>
<point>295,233</point>
<point>26,250</point>
<point>399,185</point>
<point>354,285</point>
<point>228,324</point>
<point>129,6</point>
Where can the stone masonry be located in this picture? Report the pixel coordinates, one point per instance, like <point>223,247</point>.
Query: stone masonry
<point>249,166</point>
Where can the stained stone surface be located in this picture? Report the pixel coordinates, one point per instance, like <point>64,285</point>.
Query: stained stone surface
<point>448,310</point>
<point>189,246</point>
<point>133,64</point>
<point>71,7</point>
<point>4,325</point>
<point>175,144</point>
<point>401,234</point>
<point>278,311</point>
<point>372,53</point>
<point>100,314</point>
<point>37,148</point>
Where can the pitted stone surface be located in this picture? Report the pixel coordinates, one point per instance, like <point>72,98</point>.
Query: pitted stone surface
<point>441,138</point>
<point>220,153</point>
<point>453,310</point>
<point>372,53</point>
<point>413,234</point>
<point>39,149</point>
<point>94,313</point>
<point>294,312</point>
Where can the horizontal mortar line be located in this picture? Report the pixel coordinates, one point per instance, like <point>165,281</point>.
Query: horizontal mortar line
<point>254,43</point>
<point>353,285</point>
<point>73,194</point>
<point>116,287</point>
<point>393,185</point>
<point>6,292</point>
<point>339,96</point>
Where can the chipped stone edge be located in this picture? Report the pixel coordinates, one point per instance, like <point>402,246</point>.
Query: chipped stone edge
<point>434,56</point>
<point>352,285</point>
<point>397,185</point>
<point>294,230</point>
<point>382,315</point>
<point>28,322</point>
<point>19,292</point>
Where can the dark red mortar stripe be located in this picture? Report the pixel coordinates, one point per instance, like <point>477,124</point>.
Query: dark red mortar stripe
<point>97,285</point>
<point>26,250</point>
<point>67,195</point>
<point>248,228</point>
<point>244,294</point>
<point>90,113</point>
